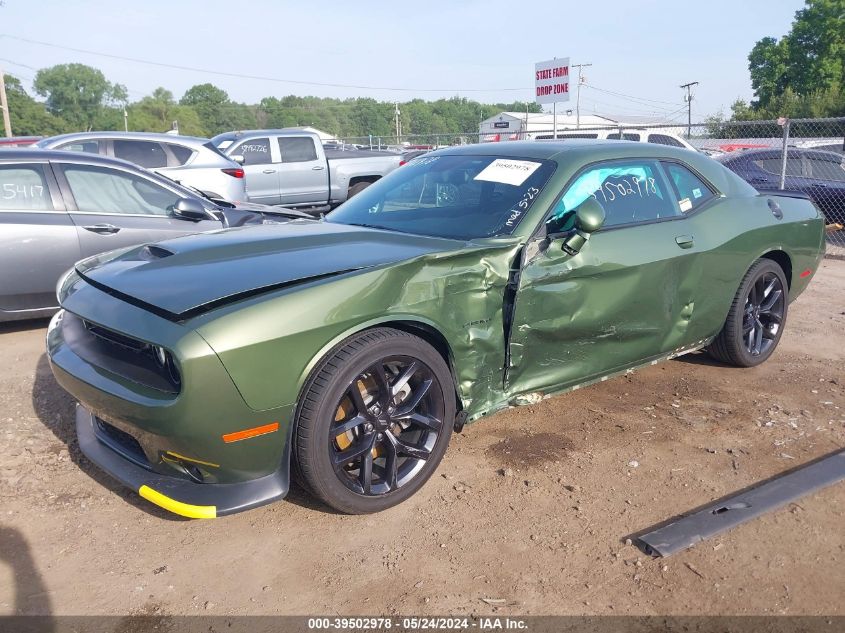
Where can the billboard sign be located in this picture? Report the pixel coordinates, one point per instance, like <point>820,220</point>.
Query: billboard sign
<point>551,80</point>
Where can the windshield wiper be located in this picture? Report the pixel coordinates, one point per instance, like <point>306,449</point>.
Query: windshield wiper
<point>374,226</point>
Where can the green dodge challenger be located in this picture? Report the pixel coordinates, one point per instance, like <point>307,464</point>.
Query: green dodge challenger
<point>346,350</point>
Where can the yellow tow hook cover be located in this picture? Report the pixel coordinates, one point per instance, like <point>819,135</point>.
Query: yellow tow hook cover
<point>177,507</point>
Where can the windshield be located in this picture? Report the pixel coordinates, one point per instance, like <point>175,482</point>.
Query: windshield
<point>459,197</point>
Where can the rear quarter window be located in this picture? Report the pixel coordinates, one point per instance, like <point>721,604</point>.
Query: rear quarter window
<point>691,191</point>
<point>663,139</point>
<point>181,153</point>
<point>24,188</point>
<point>90,147</point>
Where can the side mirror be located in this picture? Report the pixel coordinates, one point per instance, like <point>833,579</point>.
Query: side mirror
<point>190,209</point>
<point>589,218</point>
<point>238,158</point>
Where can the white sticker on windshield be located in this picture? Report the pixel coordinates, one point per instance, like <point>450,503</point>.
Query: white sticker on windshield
<point>507,171</point>
<point>685,204</point>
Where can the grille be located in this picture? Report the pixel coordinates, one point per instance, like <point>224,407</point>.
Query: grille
<point>120,354</point>
<point>121,442</point>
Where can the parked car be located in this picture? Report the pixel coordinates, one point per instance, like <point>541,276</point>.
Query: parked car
<point>192,161</point>
<point>613,134</point>
<point>827,145</point>
<point>819,174</point>
<point>473,279</point>
<point>59,207</point>
<point>9,142</point>
<point>291,168</point>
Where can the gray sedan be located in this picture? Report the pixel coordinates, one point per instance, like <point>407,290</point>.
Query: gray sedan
<point>58,207</point>
<point>193,161</point>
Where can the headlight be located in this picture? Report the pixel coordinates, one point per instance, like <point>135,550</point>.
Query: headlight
<point>160,355</point>
<point>55,321</point>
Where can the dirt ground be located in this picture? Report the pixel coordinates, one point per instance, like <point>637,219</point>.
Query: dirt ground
<point>528,514</point>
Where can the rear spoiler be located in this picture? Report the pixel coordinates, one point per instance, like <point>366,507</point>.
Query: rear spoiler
<point>784,193</point>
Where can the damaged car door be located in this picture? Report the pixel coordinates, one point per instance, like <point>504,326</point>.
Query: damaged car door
<point>587,308</point>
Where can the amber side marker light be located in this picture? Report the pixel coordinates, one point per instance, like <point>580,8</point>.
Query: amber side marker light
<point>806,273</point>
<point>237,436</point>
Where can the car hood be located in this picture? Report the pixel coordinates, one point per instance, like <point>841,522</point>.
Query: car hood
<point>186,276</point>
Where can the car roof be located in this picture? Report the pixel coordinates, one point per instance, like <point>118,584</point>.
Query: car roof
<point>792,151</point>
<point>28,154</point>
<point>236,134</point>
<point>130,136</point>
<point>585,149</point>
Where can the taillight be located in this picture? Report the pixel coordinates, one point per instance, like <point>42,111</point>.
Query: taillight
<point>235,172</point>
<point>403,162</point>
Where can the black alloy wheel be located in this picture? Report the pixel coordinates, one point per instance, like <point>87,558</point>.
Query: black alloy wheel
<point>391,420</point>
<point>764,314</point>
<point>756,317</point>
<point>374,420</point>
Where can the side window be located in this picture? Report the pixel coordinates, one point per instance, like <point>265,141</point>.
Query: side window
<point>256,151</point>
<point>827,169</point>
<point>23,188</point>
<point>180,152</point>
<point>104,190</point>
<point>576,135</point>
<point>773,166</point>
<point>691,190</point>
<point>626,136</point>
<point>297,149</point>
<point>629,191</point>
<point>663,139</point>
<point>90,147</point>
<point>143,153</point>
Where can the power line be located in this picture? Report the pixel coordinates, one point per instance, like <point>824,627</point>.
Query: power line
<point>629,109</point>
<point>631,97</point>
<point>255,77</point>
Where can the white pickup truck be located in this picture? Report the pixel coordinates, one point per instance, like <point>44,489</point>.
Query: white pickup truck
<point>291,168</point>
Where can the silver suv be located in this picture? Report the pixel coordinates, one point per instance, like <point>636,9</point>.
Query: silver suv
<point>189,160</point>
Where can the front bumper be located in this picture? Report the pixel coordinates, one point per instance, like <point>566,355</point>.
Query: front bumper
<point>180,496</point>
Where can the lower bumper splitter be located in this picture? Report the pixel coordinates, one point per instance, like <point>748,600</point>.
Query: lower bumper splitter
<point>180,496</point>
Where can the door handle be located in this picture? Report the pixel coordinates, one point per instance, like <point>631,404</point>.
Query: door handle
<point>685,241</point>
<point>269,171</point>
<point>318,168</point>
<point>102,229</point>
<point>820,185</point>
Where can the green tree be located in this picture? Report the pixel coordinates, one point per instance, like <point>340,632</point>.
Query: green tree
<point>802,73</point>
<point>157,112</point>
<point>217,113</point>
<point>28,116</point>
<point>77,93</point>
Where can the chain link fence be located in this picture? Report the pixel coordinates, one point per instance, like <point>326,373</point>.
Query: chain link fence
<point>797,154</point>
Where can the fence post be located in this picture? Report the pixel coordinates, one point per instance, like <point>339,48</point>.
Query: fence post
<point>785,124</point>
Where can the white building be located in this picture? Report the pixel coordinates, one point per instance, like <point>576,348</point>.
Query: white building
<point>517,126</point>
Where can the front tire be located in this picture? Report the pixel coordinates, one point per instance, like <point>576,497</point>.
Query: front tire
<point>374,421</point>
<point>756,319</point>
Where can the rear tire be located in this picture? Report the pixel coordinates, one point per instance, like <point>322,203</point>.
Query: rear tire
<point>357,188</point>
<point>374,421</point>
<point>756,319</point>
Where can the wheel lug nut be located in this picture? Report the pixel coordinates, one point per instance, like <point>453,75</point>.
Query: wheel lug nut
<point>368,426</point>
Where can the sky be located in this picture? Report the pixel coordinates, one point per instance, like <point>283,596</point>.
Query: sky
<point>483,50</point>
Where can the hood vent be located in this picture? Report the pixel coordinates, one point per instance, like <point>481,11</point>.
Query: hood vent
<point>151,252</point>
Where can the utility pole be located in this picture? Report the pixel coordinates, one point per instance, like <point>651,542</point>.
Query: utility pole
<point>688,99</point>
<point>397,122</point>
<point>4,105</point>
<point>578,94</point>
<point>125,119</point>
